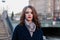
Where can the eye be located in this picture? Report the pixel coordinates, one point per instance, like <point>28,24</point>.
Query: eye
<point>29,12</point>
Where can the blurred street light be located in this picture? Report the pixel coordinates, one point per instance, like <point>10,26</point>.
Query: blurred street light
<point>3,1</point>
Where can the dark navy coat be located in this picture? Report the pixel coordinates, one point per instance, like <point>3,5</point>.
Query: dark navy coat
<point>22,33</point>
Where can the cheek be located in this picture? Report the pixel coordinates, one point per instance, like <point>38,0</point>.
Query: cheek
<point>26,16</point>
<point>32,16</point>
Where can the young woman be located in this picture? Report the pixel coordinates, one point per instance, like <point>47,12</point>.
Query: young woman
<point>29,27</point>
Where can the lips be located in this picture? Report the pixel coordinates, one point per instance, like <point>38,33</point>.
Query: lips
<point>29,17</point>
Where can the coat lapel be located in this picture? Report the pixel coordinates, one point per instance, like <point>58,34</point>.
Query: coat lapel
<point>27,31</point>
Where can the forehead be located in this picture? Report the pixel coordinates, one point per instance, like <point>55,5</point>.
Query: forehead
<point>29,9</point>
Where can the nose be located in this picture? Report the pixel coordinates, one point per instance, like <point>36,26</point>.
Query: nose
<point>29,14</point>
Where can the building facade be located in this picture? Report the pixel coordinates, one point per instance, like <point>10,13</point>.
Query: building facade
<point>46,7</point>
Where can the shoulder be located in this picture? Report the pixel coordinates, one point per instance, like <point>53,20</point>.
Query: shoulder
<point>18,27</point>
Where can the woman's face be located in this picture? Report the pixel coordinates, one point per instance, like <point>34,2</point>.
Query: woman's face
<point>28,14</point>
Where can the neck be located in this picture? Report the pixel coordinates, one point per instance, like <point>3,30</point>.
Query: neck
<point>29,21</point>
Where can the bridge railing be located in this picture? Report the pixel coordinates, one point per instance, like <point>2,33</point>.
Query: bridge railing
<point>9,23</point>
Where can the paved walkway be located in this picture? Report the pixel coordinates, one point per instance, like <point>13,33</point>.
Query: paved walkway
<point>4,33</point>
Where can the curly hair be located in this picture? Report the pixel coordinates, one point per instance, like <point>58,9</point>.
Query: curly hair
<point>35,16</point>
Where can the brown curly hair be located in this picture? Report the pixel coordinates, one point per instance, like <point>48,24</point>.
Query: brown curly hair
<point>35,16</point>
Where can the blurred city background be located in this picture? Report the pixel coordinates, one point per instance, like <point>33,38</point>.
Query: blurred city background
<point>48,14</point>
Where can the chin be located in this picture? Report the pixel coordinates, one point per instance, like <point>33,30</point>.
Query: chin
<point>29,19</point>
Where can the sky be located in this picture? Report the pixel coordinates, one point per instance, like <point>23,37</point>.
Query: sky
<point>14,5</point>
